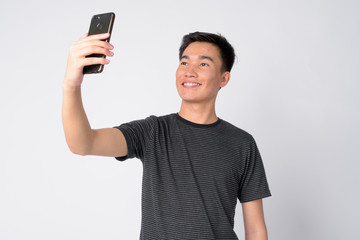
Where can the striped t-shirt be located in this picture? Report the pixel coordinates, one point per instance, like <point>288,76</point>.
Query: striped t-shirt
<point>193,175</point>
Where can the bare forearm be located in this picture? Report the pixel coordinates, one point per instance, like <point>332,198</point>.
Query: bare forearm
<point>254,222</point>
<point>259,235</point>
<point>78,132</point>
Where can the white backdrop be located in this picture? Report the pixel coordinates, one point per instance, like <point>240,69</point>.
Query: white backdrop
<point>294,87</point>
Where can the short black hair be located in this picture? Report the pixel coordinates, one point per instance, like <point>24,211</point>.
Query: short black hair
<point>226,50</point>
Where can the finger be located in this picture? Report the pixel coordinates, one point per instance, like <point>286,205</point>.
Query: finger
<point>101,36</point>
<point>98,43</point>
<point>94,50</point>
<point>92,61</point>
<point>97,37</point>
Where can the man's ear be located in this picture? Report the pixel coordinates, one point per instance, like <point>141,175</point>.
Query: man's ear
<point>225,78</point>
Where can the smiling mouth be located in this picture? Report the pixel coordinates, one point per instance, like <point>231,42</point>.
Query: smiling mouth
<point>187,84</point>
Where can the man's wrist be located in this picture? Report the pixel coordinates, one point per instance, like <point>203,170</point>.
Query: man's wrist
<point>70,87</point>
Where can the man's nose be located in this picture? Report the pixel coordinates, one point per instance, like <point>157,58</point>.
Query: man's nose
<point>190,72</point>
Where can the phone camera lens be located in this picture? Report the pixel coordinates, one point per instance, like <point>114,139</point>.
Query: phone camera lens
<point>99,26</point>
<point>97,17</point>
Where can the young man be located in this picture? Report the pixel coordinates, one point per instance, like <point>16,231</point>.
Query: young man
<point>195,165</point>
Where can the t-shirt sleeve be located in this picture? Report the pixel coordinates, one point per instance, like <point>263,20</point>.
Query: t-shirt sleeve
<point>253,184</point>
<point>137,135</point>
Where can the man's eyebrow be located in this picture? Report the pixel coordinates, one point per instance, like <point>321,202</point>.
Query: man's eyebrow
<point>206,57</point>
<point>201,57</point>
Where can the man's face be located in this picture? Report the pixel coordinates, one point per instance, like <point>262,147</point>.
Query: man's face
<point>199,76</point>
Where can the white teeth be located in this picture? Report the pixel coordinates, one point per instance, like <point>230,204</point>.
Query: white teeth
<point>191,84</point>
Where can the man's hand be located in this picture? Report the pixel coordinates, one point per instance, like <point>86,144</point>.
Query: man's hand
<point>77,59</point>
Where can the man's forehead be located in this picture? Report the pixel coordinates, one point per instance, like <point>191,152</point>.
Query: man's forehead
<point>202,50</point>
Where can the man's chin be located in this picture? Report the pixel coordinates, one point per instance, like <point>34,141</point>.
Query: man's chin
<point>196,101</point>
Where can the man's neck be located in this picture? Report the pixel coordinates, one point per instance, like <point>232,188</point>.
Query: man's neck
<point>198,113</point>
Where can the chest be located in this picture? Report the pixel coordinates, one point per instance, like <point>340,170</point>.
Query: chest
<point>201,156</point>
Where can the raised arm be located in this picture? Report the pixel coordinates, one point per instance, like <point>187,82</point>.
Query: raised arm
<point>80,137</point>
<point>254,222</point>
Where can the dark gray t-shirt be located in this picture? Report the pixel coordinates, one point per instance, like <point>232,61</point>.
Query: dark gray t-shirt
<point>193,175</point>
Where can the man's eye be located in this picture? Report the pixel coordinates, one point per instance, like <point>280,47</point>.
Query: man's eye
<point>204,64</point>
<point>183,63</point>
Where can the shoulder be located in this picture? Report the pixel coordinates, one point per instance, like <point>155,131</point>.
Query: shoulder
<point>153,119</point>
<point>236,132</point>
<point>161,117</point>
<point>164,119</point>
<point>168,117</point>
<point>155,122</point>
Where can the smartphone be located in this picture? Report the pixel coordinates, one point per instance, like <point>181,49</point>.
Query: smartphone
<point>100,23</point>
